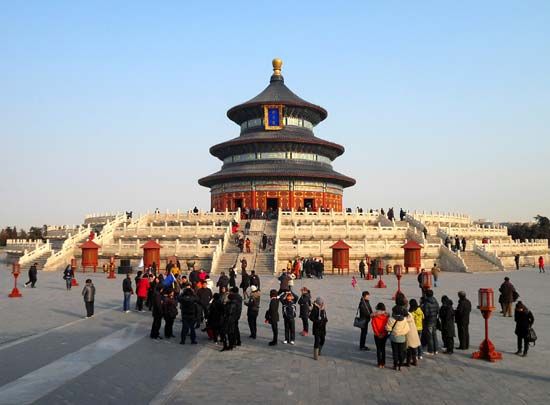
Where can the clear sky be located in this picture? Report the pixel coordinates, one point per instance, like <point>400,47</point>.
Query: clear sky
<point>108,106</point>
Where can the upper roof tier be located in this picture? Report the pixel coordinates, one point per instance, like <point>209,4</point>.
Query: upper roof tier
<point>275,93</point>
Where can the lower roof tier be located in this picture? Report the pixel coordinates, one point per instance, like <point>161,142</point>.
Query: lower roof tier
<point>277,169</point>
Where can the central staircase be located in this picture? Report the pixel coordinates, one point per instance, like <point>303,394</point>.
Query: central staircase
<point>476,263</point>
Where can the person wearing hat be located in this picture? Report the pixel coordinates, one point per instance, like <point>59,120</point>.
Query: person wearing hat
<point>305,307</point>
<point>319,318</point>
<point>253,305</point>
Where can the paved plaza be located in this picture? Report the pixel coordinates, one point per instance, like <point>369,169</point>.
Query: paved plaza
<point>51,355</point>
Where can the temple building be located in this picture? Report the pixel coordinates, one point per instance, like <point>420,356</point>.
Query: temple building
<point>277,161</point>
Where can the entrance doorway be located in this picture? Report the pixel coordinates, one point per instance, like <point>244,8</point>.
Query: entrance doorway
<point>272,204</point>
<point>238,203</point>
<point>309,204</point>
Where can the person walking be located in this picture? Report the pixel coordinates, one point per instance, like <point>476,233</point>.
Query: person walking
<point>398,328</point>
<point>318,317</point>
<point>379,321</point>
<point>157,313</point>
<point>88,293</point>
<point>507,295</point>
<point>435,273</point>
<point>289,316</point>
<point>365,311</point>
<point>418,316</point>
<point>524,321</point>
<point>33,275</point>
<point>463,241</point>
<point>516,261</point>
<point>305,307</point>
<point>245,282</point>
<point>457,244</point>
<point>264,241</point>
<point>253,310</point>
<point>362,268</point>
<point>541,265</point>
<point>247,244</point>
<point>169,312</point>
<point>68,277</point>
<point>127,290</point>
<point>430,308</point>
<point>233,275</point>
<point>462,319</point>
<point>447,321</point>
<point>189,315</point>
<point>272,315</point>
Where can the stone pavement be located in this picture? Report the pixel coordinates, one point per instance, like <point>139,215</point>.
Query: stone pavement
<point>51,355</point>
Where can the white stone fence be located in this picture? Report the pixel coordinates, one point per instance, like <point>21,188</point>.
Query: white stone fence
<point>441,218</point>
<point>31,256</point>
<point>23,244</point>
<point>181,231</point>
<point>449,261</point>
<point>511,248</point>
<point>331,231</point>
<point>169,248</point>
<point>491,257</point>
<point>287,217</point>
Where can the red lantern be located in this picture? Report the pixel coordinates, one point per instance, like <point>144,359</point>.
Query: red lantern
<point>398,271</point>
<point>111,268</point>
<point>16,271</point>
<point>486,305</point>
<point>426,280</point>
<point>74,283</point>
<point>380,283</point>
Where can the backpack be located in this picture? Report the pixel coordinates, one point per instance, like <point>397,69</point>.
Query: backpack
<point>290,310</point>
<point>531,336</point>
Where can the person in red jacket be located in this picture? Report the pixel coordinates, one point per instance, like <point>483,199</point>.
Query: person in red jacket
<point>541,265</point>
<point>141,289</point>
<point>378,323</point>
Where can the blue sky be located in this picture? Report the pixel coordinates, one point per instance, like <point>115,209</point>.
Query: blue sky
<point>108,106</point>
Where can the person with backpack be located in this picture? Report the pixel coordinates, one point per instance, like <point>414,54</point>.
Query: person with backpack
<point>398,328</point>
<point>169,312</point>
<point>289,314</point>
<point>379,321</point>
<point>524,321</point>
<point>305,307</point>
<point>319,318</point>
<point>68,277</point>
<point>272,315</point>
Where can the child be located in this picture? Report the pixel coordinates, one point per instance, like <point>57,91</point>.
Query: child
<point>418,316</point>
<point>353,282</point>
<point>378,321</point>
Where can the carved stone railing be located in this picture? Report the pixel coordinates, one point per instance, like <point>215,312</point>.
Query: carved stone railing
<point>491,257</point>
<point>450,261</point>
<point>30,256</point>
<point>63,255</point>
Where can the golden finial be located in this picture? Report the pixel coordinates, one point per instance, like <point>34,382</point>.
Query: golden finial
<point>277,64</point>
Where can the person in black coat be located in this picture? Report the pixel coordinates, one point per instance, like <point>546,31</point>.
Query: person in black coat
<point>365,311</point>
<point>169,312</point>
<point>214,317</point>
<point>33,275</point>
<point>305,307</point>
<point>319,318</point>
<point>245,282</point>
<point>289,300</point>
<point>252,311</point>
<point>238,311</point>
<point>254,279</point>
<point>157,314</point>
<point>430,308</point>
<point>462,319</point>
<point>524,321</point>
<point>447,320</point>
<point>229,321</point>
<point>232,277</point>
<point>204,296</point>
<point>189,315</point>
<point>362,269</point>
<point>272,315</point>
<point>223,281</point>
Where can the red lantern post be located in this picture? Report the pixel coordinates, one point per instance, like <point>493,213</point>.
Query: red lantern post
<point>398,271</point>
<point>111,268</point>
<point>380,283</point>
<point>16,271</point>
<point>74,283</point>
<point>486,305</point>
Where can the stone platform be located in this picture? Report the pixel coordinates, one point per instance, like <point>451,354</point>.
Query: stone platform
<point>51,355</point>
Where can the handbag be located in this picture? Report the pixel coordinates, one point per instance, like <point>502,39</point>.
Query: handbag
<point>531,336</point>
<point>515,296</point>
<point>359,322</point>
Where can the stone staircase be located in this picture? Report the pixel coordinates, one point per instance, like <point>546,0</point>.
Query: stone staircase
<point>476,263</point>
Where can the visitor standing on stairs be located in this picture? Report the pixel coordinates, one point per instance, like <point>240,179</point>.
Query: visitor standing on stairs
<point>233,276</point>
<point>247,244</point>
<point>463,244</point>
<point>264,241</point>
<point>457,244</point>
<point>245,282</point>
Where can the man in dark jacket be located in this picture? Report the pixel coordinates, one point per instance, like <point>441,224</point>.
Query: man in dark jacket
<point>462,319</point>
<point>223,281</point>
<point>507,292</point>
<point>362,269</point>
<point>365,312</point>
<point>253,305</point>
<point>127,291</point>
<point>254,279</point>
<point>430,308</point>
<point>229,321</point>
<point>272,315</point>
<point>33,275</point>
<point>157,313</point>
<point>189,315</point>
<point>238,310</point>
<point>447,319</point>
<point>204,296</point>
<point>284,281</point>
<point>194,277</point>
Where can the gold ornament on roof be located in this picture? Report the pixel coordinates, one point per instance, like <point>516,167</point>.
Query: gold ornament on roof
<point>277,65</point>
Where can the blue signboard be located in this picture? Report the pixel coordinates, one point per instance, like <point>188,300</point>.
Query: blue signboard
<point>274,119</point>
